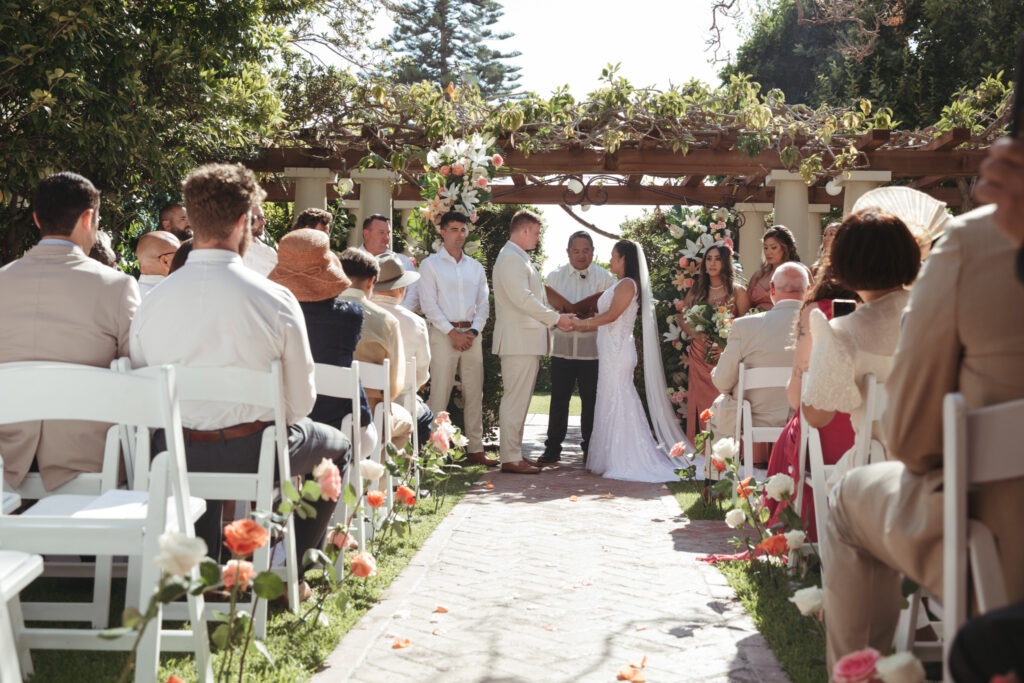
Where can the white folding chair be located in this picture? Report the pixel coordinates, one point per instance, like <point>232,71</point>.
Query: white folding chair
<point>17,570</point>
<point>867,448</point>
<point>979,447</point>
<point>115,522</point>
<point>409,403</point>
<point>746,432</point>
<point>377,377</point>
<point>264,389</point>
<point>338,382</point>
<point>11,502</point>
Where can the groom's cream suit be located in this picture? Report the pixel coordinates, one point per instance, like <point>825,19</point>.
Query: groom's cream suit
<point>522,322</point>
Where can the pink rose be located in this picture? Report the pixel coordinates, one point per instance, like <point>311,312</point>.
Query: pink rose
<point>441,440</point>
<point>329,478</point>
<point>678,397</point>
<point>363,565</point>
<point>688,282</point>
<point>683,262</point>
<point>446,169</point>
<point>237,571</point>
<point>341,540</point>
<point>678,303</point>
<point>728,243</point>
<point>443,418</point>
<point>856,667</point>
<point>678,450</point>
<point>458,169</point>
<point>497,160</point>
<point>481,182</point>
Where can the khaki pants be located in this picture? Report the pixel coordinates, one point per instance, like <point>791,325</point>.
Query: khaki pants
<point>886,522</point>
<point>518,376</point>
<point>444,362</point>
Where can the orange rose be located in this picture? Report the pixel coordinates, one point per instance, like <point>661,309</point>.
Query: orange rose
<point>706,415</point>
<point>237,571</point>
<point>174,679</point>
<point>718,465</point>
<point>364,565</point>
<point>745,489</point>
<point>243,536</point>
<point>774,545</point>
<point>339,539</point>
<point>404,494</point>
<point>410,501</point>
<point>375,498</point>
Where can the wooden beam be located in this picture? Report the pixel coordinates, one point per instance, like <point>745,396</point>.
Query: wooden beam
<point>519,180</point>
<point>929,181</point>
<point>694,181</point>
<point>948,140</point>
<point>635,178</point>
<point>872,140</point>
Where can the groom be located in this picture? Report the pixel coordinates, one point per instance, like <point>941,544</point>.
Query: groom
<point>522,322</point>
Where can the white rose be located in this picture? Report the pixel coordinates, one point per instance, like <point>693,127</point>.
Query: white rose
<point>809,600</point>
<point>675,231</point>
<point>471,248</point>
<point>433,158</point>
<point>725,449</point>
<point>460,441</point>
<point>735,518</point>
<point>780,487</point>
<point>574,186</point>
<point>368,469</point>
<point>179,553</point>
<point>902,667</point>
<point>795,539</point>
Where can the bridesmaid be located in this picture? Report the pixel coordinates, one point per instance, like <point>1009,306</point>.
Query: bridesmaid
<point>827,236</point>
<point>715,285</point>
<point>778,247</point>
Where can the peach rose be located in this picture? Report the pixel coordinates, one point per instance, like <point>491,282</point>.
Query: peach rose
<point>718,465</point>
<point>678,450</point>
<point>458,169</point>
<point>341,540</point>
<point>174,679</point>
<point>364,565</point>
<point>405,494</point>
<point>773,545</point>
<point>446,169</point>
<point>329,478</point>
<point>375,498</point>
<point>678,303</point>
<point>745,488</point>
<point>243,536</point>
<point>706,415</point>
<point>237,571</point>
<point>441,440</point>
<point>856,667</point>
<point>683,262</point>
<point>481,182</point>
<point>497,160</point>
<point>443,418</point>
<point>688,282</point>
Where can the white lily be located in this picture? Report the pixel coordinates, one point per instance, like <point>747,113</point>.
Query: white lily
<point>675,230</point>
<point>672,334</point>
<point>471,248</point>
<point>691,221</point>
<point>433,158</point>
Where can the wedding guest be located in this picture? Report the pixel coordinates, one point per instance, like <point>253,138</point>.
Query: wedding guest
<point>380,338</point>
<point>174,220</point>
<point>453,296</point>
<point>838,435</point>
<point>103,250</point>
<point>317,219</point>
<point>1002,182</point>
<point>827,236</point>
<point>155,251</point>
<point>713,285</point>
<point>388,291</point>
<point>215,312</point>
<point>377,241</point>
<point>180,256</point>
<point>60,305</point>
<point>310,271</point>
<point>778,247</point>
<point>574,354</point>
<point>260,256</point>
<point>758,341</point>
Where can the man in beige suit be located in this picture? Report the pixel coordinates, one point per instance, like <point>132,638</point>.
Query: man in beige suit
<point>760,341</point>
<point>60,305</point>
<point>962,331</point>
<point>521,326</point>
<point>379,339</point>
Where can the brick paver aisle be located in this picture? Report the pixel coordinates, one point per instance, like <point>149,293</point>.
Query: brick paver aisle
<point>540,587</point>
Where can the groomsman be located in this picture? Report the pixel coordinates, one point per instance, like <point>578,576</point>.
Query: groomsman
<point>574,354</point>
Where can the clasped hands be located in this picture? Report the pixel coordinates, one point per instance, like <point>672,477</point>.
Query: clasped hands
<point>568,322</point>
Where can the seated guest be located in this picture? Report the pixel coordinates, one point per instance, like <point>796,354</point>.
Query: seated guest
<point>174,220</point>
<point>155,252</point>
<point>313,274</point>
<point>887,520</point>
<point>60,305</point>
<point>214,313</point>
<point>388,292</point>
<point>380,339</point>
<point>317,219</point>
<point>1002,182</point>
<point>180,256</point>
<point>759,341</point>
<point>261,257</point>
<point>103,250</point>
<point>377,242</point>
<point>837,436</point>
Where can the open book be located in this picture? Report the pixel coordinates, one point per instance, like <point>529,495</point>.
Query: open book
<point>584,308</point>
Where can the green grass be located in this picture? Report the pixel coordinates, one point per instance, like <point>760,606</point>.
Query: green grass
<point>298,648</point>
<point>798,641</point>
<point>689,495</point>
<point>540,404</point>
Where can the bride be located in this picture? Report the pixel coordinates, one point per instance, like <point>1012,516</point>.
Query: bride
<point>621,446</point>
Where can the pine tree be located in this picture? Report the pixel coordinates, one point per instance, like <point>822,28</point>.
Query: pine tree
<point>447,41</point>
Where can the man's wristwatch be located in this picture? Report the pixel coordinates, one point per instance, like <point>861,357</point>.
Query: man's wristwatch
<point>473,331</point>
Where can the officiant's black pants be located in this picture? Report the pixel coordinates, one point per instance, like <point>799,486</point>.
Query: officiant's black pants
<point>565,375</point>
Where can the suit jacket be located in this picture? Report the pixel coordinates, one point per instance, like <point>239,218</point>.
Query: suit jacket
<point>380,338</point>
<point>60,305</point>
<point>759,341</point>
<point>414,337</point>
<point>333,327</point>
<point>962,331</point>
<point>522,316</point>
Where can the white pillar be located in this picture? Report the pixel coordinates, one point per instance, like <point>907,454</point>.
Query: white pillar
<point>310,186</point>
<point>856,183</point>
<point>791,206</point>
<point>750,234</point>
<point>374,197</point>
<point>406,207</point>
<point>814,214</point>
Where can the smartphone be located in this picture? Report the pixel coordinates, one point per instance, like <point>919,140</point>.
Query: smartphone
<point>842,307</point>
<point>1017,112</point>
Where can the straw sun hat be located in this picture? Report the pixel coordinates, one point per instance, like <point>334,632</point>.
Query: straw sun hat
<point>307,267</point>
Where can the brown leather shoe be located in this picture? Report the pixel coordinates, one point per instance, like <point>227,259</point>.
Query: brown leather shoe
<point>521,467</point>
<point>481,459</point>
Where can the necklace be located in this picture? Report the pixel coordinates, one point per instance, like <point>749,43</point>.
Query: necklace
<point>717,287</point>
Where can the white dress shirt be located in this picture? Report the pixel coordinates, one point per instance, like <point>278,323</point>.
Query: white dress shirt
<point>414,338</point>
<point>217,313</point>
<point>576,285</point>
<point>453,291</point>
<point>148,282</point>
<point>412,295</point>
<point>260,256</point>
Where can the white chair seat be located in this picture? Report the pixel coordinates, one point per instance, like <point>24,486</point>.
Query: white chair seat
<point>111,505</point>
<point>17,570</point>
<point>11,502</point>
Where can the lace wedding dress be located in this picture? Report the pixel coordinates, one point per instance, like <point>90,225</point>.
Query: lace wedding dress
<point>621,446</point>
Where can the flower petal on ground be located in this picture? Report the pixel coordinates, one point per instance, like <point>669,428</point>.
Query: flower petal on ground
<point>441,609</point>
<point>400,643</point>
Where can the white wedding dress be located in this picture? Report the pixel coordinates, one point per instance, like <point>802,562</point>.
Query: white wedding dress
<point>621,445</point>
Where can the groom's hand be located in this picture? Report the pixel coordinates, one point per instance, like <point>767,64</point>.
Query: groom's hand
<point>565,322</point>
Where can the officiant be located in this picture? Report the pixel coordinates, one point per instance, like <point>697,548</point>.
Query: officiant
<point>574,288</point>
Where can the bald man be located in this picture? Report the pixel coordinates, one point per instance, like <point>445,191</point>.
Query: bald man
<point>759,341</point>
<point>155,251</point>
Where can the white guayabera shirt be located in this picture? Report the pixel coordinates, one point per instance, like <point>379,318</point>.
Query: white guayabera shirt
<point>575,285</point>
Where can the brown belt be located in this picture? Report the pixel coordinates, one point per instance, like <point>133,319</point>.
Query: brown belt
<point>226,434</point>
<point>462,325</point>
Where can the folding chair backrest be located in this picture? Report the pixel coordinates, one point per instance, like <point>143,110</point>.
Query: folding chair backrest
<point>338,382</point>
<point>979,447</point>
<point>409,399</point>
<point>749,379</point>
<point>875,404</point>
<point>377,377</point>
